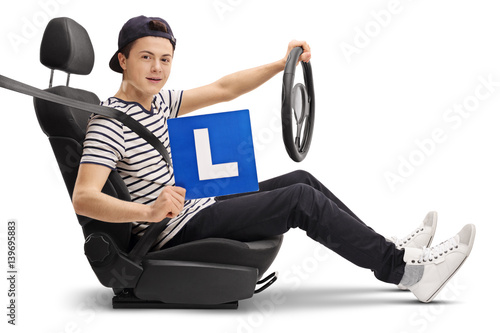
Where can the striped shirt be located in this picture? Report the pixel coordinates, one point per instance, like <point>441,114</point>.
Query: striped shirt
<point>109,143</point>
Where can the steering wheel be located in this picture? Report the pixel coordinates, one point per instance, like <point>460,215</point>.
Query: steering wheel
<point>298,100</point>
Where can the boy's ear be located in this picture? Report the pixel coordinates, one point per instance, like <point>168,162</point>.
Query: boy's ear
<point>122,61</point>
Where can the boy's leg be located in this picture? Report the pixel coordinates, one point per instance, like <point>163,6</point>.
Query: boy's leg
<point>422,236</point>
<point>273,212</point>
<point>297,177</point>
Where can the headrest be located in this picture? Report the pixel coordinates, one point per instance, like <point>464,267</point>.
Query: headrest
<point>66,46</point>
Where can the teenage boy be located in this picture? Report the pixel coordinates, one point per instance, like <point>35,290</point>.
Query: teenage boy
<point>145,53</point>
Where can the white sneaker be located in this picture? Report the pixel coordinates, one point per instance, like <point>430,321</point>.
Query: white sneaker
<point>440,262</point>
<point>420,237</point>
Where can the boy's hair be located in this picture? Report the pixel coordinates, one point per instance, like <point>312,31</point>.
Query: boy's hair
<point>154,25</point>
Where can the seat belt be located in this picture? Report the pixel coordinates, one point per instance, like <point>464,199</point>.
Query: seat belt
<point>146,241</point>
<point>125,119</point>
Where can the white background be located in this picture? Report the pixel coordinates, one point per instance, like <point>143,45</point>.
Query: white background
<point>409,69</point>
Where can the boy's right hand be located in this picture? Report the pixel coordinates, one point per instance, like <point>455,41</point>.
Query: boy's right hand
<point>169,204</point>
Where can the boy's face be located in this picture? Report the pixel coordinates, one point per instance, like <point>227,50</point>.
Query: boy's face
<point>148,66</point>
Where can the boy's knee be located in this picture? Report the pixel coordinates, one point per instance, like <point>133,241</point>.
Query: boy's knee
<point>302,176</point>
<point>300,192</point>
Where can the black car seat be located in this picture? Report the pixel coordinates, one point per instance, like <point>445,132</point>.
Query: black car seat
<point>201,274</point>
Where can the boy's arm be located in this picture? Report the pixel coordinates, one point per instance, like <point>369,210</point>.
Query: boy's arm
<point>88,200</point>
<point>237,84</point>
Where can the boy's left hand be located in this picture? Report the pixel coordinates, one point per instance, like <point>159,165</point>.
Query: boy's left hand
<point>305,56</point>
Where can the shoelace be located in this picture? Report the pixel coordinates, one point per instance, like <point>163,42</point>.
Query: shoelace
<point>402,241</point>
<point>429,254</point>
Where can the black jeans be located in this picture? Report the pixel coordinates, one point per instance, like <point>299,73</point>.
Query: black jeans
<point>296,200</point>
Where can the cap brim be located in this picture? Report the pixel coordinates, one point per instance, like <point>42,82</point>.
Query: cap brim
<point>114,64</point>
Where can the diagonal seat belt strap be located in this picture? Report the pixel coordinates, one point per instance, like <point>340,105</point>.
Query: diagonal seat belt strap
<point>128,121</point>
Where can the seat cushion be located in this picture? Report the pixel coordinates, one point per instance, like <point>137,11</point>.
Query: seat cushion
<point>259,254</point>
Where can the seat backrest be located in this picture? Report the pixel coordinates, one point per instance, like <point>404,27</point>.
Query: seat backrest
<point>66,46</point>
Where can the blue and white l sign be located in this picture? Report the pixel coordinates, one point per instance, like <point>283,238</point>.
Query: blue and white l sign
<point>213,154</point>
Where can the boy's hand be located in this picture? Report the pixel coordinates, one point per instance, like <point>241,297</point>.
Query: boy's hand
<point>169,203</point>
<point>305,56</point>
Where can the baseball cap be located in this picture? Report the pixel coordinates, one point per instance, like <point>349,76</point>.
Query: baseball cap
<point>135,28</point>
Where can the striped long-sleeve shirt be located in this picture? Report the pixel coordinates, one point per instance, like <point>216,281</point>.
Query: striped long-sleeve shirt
<point>109,143</point>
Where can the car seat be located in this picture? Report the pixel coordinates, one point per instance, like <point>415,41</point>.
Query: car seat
<point>209,273</point>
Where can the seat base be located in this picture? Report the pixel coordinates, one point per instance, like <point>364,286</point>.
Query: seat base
<point>128,301</point>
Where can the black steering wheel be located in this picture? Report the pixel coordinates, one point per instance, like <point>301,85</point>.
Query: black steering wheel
<point>298,100</point>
